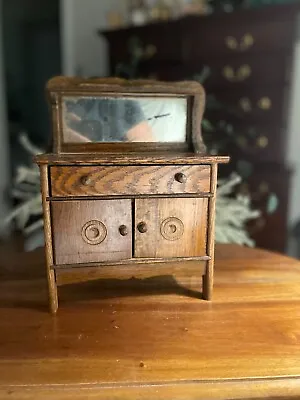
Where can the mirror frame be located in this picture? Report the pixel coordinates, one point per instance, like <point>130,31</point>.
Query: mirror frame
<point>60,87</point>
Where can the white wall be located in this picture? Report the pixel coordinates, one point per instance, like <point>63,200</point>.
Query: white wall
<point>84,51</point>
<point>4,150</point>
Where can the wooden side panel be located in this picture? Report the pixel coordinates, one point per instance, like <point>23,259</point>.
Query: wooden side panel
<point>174,227</point>
<point>88,231</point>
<point>128,180</point>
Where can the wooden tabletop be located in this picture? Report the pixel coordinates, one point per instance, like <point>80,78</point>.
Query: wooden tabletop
<point>152,338</point>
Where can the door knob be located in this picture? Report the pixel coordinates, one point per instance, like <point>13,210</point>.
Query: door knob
<point>142,227</point>
<point>123,230</point>
<point>180,177</point>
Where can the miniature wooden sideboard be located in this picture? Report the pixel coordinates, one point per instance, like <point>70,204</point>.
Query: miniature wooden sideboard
<point>128,181</point>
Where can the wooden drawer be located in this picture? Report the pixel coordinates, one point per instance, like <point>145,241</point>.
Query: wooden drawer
<point>257,104</point>
<point>128,180</point>
<point>233,72</point>
<point>257,142</point>
<point>232,36</point>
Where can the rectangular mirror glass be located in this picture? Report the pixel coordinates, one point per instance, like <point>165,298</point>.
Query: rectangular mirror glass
<point>125,119</point>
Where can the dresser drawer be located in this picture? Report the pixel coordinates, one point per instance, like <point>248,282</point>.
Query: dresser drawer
<point>235,36</point>
<point>128,180</point>
<point>230,72</point>
<point>257,104</point>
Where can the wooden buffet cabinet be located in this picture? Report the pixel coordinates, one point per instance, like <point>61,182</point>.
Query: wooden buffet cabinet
<point>244,60</point>
<point>126,203</point>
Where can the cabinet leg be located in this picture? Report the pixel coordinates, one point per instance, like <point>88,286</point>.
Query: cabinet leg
<point>52,288</point>
<point>207,281</point>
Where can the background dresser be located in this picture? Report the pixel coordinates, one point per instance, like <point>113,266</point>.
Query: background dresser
<point>244,61</point>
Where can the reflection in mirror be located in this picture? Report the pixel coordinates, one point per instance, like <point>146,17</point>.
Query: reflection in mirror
<point>108,119</point>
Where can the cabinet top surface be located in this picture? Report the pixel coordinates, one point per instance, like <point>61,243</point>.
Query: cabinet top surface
<point>287,11</point>
<point>165,158</point>
<point>148,333</point>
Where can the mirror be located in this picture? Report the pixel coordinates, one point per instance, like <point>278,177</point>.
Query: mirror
<point>125,119</point>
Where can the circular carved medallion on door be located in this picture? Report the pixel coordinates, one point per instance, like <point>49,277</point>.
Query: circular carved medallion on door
<point>93,232</point>
<point>172,228</point>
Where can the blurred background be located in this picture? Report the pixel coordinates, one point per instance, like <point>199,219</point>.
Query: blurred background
<point>246,53</point>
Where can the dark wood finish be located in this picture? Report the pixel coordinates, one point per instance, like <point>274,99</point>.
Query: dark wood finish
<point>149,158</point>
<point>193,91</point>
<point>127,338</point>
<point>88,231</point>
<point>251,106</point>
<point>274,179</point>
<point>229,72</point>
<point>171,227</point>
<point>174,41</point>
<point>248,58</point>
<point>132,180</point>
<point>249,36</point>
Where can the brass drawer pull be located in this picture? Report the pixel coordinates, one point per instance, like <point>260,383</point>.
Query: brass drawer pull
<point>262,142</point>
<point>142,227</point>
<point>123,229</point>
<point>231,43</point>
<point>241,74</point>
<point>180,177</point>
<point>86,180</point>
<point>245,104</point>
<point>244,44</point>
<point>264,104</point>
<point>247,42</point>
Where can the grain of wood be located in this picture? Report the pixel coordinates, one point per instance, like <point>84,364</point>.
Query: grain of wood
<point>52,288</point>
<point>70,219</point>
<point>243,345</point>
<point>105,181</point>
<point>192,214</point>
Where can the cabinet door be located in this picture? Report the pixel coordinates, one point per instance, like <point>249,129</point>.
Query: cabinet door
<point>91,231</point>
<point>170,227</point>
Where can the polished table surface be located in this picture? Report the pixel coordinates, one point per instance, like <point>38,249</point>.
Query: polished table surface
<point>150,337</point>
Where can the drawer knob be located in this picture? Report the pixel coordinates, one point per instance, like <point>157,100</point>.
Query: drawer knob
<point>180,177</point>
<point>241,74</point>
<point>86,180</point>
<point>142,227</point>
<point>265,103</point>
<point>123,229</point>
